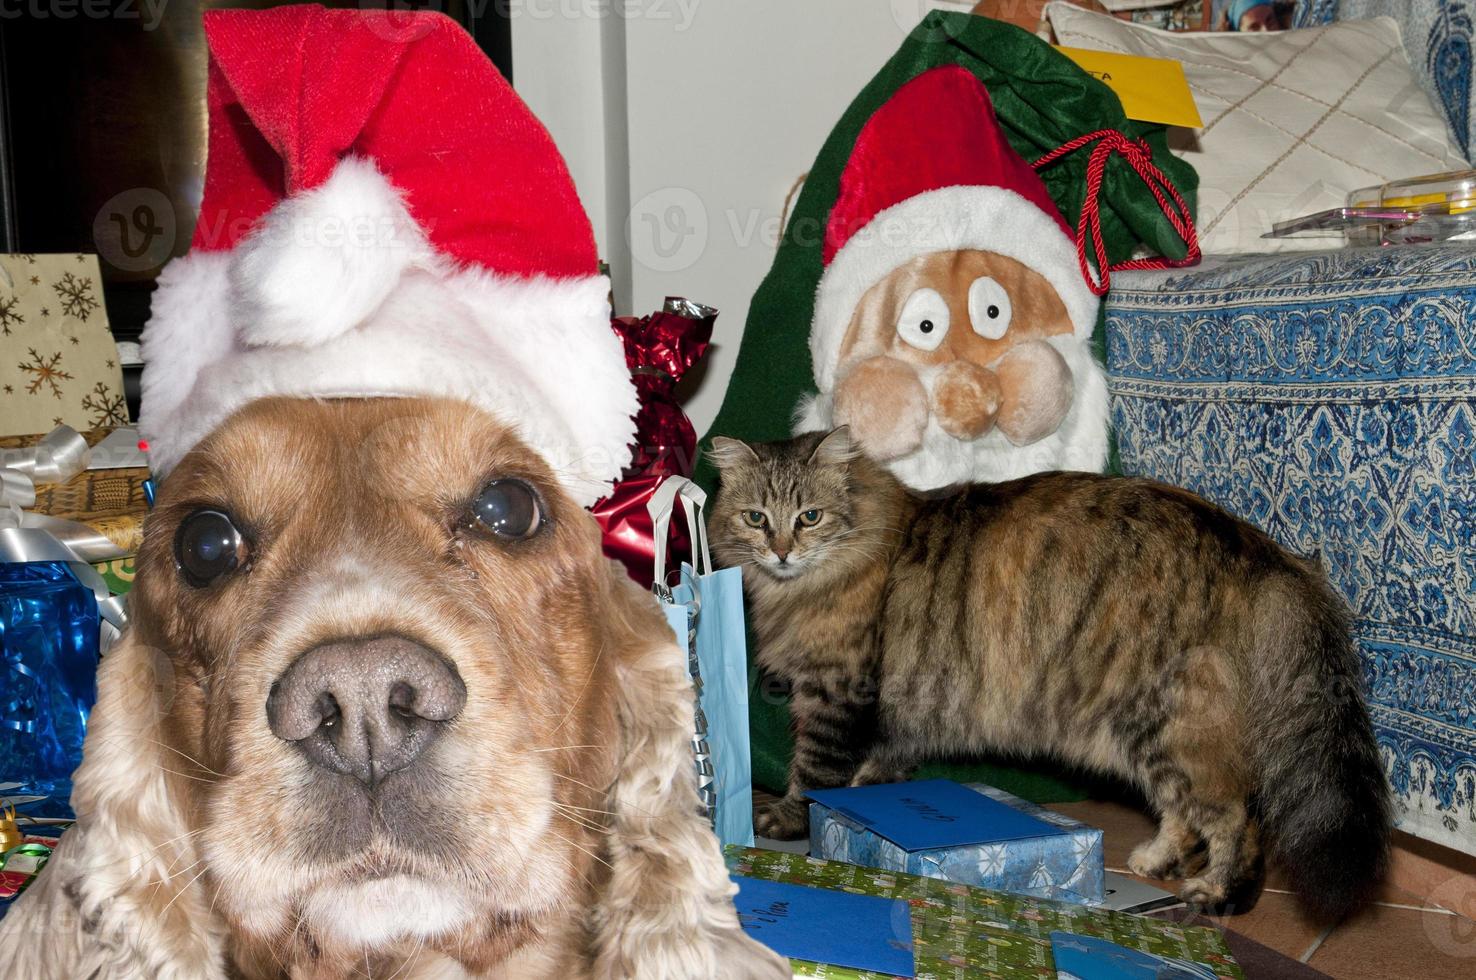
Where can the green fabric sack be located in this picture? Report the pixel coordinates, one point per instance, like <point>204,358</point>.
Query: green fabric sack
<point>1042,100</point>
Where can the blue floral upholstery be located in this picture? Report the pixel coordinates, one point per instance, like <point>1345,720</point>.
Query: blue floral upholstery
<point>1330,398</point>
<point>1437,38</point>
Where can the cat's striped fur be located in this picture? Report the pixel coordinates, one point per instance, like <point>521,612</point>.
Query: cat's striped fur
<point>1116,624</point>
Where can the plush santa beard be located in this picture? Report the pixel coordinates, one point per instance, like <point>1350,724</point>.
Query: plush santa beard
<point>942,461</point>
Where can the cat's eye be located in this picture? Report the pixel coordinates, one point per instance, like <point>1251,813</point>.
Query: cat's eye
<point>754,518</point>
<point>989,308</point>
<point>810,518</point>
<point>207,546</point>
<point>924,320</point>
<point>509,509</point>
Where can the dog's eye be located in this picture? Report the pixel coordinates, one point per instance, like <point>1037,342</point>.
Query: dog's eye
<point>207,546</point>
<point>509,509</point>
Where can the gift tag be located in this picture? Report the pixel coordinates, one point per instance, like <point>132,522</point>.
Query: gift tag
<point>820,925</point>
<point>1152,90</point>
<point>1089,958</point>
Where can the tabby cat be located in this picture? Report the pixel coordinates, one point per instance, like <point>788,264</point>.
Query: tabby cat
<point>1116,624</point>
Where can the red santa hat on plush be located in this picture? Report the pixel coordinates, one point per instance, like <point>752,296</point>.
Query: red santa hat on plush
<point>384,217</point>
<point>932,171</point>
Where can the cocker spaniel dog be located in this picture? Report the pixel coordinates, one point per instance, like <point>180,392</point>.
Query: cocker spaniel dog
<point>383,710</point>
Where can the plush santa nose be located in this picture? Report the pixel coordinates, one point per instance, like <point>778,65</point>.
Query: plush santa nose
<point>966,399</point>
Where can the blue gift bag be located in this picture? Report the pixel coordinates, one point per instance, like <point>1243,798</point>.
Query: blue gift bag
<point>705,610</point>
<point>49,628</point>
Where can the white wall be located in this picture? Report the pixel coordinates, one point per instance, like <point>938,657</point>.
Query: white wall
<point>685,123</point>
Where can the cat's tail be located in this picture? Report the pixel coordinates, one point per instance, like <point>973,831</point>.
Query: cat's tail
<point>1322,797</point>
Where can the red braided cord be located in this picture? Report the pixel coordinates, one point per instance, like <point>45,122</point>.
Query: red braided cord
<point>1139,156</point>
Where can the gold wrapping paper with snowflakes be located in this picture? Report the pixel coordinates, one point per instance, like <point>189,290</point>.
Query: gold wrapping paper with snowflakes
<point>58,362</point>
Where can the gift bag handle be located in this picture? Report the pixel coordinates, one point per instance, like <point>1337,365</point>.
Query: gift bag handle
<point>660,507</point>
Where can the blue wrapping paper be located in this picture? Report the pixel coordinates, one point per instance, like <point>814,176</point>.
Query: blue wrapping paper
<point>1064,864</point>
<point>49,629</point>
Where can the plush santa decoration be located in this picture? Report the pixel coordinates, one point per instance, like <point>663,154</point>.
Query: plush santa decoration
<point>383,217</point>
<point>954,317</point>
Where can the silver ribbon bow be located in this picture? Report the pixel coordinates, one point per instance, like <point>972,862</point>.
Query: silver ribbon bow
<point>60,455</point>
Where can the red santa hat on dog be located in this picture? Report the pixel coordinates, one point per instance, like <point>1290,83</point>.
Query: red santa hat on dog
<point>384,217</point>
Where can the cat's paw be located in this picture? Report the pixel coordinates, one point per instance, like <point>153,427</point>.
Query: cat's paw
<point>784,819</point>
<point>1205,895</point>
<point>871,773</point>
<point>1148,860</point>
<point>1162,858</point>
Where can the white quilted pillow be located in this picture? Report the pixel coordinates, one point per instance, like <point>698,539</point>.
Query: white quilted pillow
<point>1293,121</point>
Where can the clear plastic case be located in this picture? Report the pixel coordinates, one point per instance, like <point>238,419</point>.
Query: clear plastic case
<point>1430,208</point>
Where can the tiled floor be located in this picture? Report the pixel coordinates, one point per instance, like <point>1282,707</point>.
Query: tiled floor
<point>1398,937</point>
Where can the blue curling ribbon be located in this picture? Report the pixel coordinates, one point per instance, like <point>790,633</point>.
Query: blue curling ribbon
<point>17,706</point>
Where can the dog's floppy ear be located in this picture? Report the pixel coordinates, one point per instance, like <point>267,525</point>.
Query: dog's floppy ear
<point>667,911</point>
<point>121,894</point>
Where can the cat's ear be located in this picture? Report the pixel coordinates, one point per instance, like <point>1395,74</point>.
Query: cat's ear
<point>836,449</point>
<point>728,453</point>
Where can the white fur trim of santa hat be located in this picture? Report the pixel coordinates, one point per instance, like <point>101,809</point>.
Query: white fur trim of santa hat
<point>989,218</point>
<point>338,294</point>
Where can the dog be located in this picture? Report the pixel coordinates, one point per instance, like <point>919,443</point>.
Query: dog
<point>383,709</point>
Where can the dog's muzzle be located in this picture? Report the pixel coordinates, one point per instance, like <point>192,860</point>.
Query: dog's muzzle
<point>365,707</point>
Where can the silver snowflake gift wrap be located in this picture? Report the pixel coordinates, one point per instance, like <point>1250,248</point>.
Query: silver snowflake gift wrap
<point>58,362</point>
<point>1062,866</point>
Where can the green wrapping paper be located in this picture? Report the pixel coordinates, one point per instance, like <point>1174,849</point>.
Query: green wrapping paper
<point>962,932</point>
<point>118,574</point>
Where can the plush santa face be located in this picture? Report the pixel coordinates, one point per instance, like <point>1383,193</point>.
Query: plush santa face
<point>953,322</point>
<point>961,339</point>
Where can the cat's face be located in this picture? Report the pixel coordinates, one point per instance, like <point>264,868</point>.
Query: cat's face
<point>785,508</point>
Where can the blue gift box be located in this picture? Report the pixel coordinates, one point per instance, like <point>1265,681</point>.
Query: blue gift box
<point>1093,958</point>
<point>49,629</point>
<point>975,835</point>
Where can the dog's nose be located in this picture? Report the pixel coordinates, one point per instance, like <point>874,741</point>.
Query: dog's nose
<point>365,708</point>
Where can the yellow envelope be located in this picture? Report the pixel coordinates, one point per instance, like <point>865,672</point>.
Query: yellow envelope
<point>1152,90</point>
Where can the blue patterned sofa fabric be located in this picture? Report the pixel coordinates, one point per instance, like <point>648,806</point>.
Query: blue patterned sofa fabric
<point>1437,39</point>
<point>1330,398</point>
